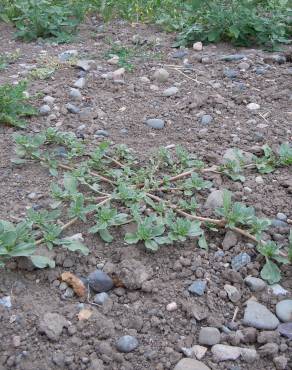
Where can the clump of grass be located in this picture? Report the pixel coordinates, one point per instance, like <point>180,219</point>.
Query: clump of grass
<point>13,106</point>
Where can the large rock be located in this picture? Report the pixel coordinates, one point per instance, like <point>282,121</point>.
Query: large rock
<point>52,325</point>
<point>284,310</point>
<point>133,273</point>
<point>190,364</point>
<point>258,316</point>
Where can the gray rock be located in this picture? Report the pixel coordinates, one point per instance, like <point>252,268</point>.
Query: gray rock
<point>230,73</point>
<point>284,310</point>
<point>235,154</point>
<point>253,106</point>
<point>232,57</point>
<point>244,66</point>
<point>101,298</point>
<point>80,83</point>
<point>102,133</point>
<point>285,329</point>
<point>190,364</point>
<point>133,273</point>
<point>59,359</point>
<point>259,317</point>
<point>127,344</point>
<point>198,287</point>
<point>255,284</point>
<point>215,199</point>
<point>67,55</point>
<point>99,281</point>
<point>223,352</point>
<point>161,75</point>
<point>278,223</point>
<point>209,336</point>
<point>52,325</point>
<point>72,108</point>
<point>260,70</point>
<point>48,99</point>
<point>156,123</point>
<point>170,91</point>
<point>240,261</point>
<point>232,292</point>
<point>180,54</point>
<point>281,216</point>
<point>230,240</point>
<point>45,109</point>
<point>86,64</point>
<point>75,94</point>
<point>206,119</point>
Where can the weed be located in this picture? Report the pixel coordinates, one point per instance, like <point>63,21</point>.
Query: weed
<point>44,19</point>
<point>124,192</point>
<point>13,106</point>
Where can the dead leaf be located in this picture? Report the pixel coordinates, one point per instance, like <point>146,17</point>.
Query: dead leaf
<point>77,285</point>
<point>84,314</point>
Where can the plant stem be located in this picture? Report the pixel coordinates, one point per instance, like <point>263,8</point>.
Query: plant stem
<point>72,222</point>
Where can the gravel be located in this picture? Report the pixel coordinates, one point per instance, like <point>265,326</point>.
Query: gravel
<point>198,287</point>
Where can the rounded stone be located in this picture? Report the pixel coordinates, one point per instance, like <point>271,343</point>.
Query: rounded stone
<point>209,336</point>
<point>253,106</point>
<point>99,281</point>
<point>155,123</point>
<point>198,46</point>
<point>75,94</point>
<point>44,109</point>
<point>255,284</point>
<point>281,216</point>
<point>224,352</point>
<point>206,119</point>
<point>170,91</point>
<point>284,310</point>
<point>259,317</point>
<point>127,343</point>
<point>161,75</point>
<point>190,364</point>
<point>48,99</point>
<point>101,298</point>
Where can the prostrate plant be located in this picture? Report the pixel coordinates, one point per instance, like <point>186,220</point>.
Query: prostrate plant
<point>13,105</point>
<point>108,185</point>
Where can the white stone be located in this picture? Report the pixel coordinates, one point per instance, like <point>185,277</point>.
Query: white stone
<point>161,75</point>
<point>114,60</point>
<point>259,180</point>
<point>223,352</point>
<point>277,289</point>
<point>199,351</point>
<point>49,99</point>
<point>253,106</point>
<point>232,292</point>
<point>198,46</point>
<point>190,364</point>
<point>171,306</point>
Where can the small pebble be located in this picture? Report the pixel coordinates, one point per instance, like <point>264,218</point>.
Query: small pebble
<point>48,99</point>
<point>101,298</point>
<point>240,261</point>
<point>127,343</point>
<point>198,287</point>
<point>155,123</point>
<point>253,106</point>
<point>102,133</point>
<point>161,75</point>
<point>198,46</point>
<point>99,281</point>
<point>44,110</point>
<point>230,73</point>
<point>284,310</point>
<point>170,91</point>
<point>72,108</point>
<point>171,306</point>
<point>75,94</point>
<point>206,119</point>
<point>80,83</point>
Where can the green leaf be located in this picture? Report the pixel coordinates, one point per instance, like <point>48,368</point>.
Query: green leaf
<point>18,161</point>
<point>70,183</point>
<point>271,272</point>
<point>203,242</point>
<point>131,238</point>
<point>53,171</point>
<point>42,262</point>
<point>152,245</point>
<point>73,245</point>
<point>105,235</point>
<point>22,250</point>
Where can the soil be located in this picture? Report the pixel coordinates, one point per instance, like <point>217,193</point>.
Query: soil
<point>142,313</point>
